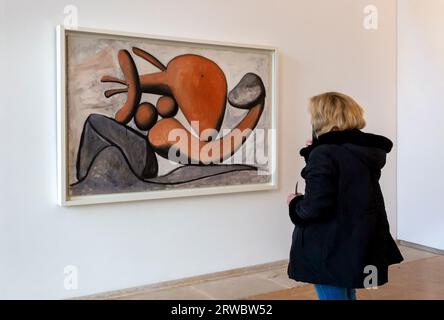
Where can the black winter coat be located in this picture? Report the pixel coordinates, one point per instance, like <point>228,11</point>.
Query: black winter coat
<point>340,223</point>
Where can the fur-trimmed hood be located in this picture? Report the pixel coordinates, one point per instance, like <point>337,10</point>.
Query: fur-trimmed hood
<point>370,148</point>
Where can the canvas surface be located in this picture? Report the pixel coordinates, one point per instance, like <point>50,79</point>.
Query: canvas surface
<point>110,155</point>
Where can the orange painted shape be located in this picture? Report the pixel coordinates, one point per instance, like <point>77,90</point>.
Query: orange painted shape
<point>200,88</point>
<point>126,112</point>
<point>146,116</point>
<point>170,133</point>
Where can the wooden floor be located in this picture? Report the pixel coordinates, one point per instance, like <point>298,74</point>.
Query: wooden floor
<point>415,280</point>
<point>419,277</point>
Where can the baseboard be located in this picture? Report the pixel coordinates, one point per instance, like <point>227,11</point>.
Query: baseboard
<point>186,281</point>
<point>420,247</point>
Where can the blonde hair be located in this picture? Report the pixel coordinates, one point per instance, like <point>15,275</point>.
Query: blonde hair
<point>335,111</point>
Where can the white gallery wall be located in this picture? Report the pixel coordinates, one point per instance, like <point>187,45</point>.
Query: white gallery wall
<point>420,124</point>
<point>322,45</point>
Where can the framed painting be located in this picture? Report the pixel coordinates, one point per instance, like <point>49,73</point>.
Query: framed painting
<point>146,117</point>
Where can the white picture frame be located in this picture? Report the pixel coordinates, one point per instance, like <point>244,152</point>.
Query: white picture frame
<point>63,197</point>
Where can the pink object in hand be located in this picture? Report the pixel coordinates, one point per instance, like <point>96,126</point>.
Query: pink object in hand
<point>290,197</point>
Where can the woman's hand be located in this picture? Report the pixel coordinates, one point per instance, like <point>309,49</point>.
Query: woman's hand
<point>291,196</point>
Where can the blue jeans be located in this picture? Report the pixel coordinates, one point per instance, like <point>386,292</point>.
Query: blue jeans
<point>326,292</point>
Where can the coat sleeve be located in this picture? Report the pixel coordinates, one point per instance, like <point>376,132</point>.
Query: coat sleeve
<point>321,180</point>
